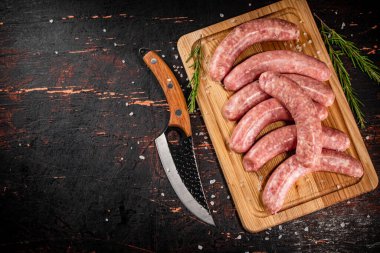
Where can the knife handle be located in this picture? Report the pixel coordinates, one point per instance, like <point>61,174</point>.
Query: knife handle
<point>179,117</point>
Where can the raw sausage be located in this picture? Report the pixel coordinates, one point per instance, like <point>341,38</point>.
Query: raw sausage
<point>291,170</point>
<point>282,61</point>
<point>245,35</point>
<point>257,119</point>
<point>303,111</point>
<point>251,94</point>
<point>316,90</point>
<point>243,100</point>
<point>284,139</point>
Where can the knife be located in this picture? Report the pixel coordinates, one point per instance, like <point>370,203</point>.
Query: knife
<point>177,154</point>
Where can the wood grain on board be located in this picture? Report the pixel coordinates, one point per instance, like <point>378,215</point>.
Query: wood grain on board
<point>311,193</point>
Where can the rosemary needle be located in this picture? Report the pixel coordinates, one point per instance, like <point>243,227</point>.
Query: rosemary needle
<point>197,56</point>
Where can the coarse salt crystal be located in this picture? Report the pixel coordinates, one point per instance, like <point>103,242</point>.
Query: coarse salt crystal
<point>115,44</point>
<point>309,41</point>
<point>342,224</point>
<point>306,229</point>
<point>343,25</point>
<point>280,236</point>
<point>51,21</point>
<point>280,227</point>
<point>163,56</point>
<point>238,237</point>
<point>221,15</point>
<point>266,238</point>
<point>56,52</point>
<point>176,56</point>
<point>126,104</point>
<point>121,159</point>
<point>212,203</point>
<point>106,219</point>
<point>212,196</point>
<point>200,247</point>
<point>368,216</point>
<point>304,33</point>
<point>296,233</point>
<point>104,30</point>
<point>162,194</point>
<point>123,61</point>
<point>212,181</point>
<point>131,114</point>
<point>142,157</point>
<point>367,137</point>
<point>228,197</point>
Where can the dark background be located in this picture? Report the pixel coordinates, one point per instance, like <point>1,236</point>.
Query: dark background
<point>71,174</point>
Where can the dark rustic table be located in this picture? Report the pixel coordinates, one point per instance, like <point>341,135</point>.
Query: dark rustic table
<point>79,112</point>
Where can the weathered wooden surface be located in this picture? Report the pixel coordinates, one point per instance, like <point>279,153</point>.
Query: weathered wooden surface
<point>78,168</point>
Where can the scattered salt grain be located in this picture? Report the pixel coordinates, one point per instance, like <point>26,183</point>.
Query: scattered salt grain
<point>342,224</point>
<point>266,238</point>
<point>280,227</point>
<point>104,30</point>
<point>318,52</point>
<point>121,159</point>
<point>309,41</point>
<point>214,211</point>
<point>163,56</point>
<point>221,15</point>
<point>173,48</point>
<point>176,56</point>
<point>106,219</point>
<point>138,142</point>
<point>132,82</point>
<point>228,197</point>
<point>304,33</point>
<point>123,61</point>
<point>131,114</point>
<point>348,202</point>
<point>336,13</point>
<point>306,229</point>
<point>162,194</point>
<point>212,203</point>
<point>212,181</point>
<point>249,4</point>
<point>126,104</point>
<point>51,21</point>
<point>56,52</point>
<point>205,137</point>
<point>368,216</point>
<point>238,237</point>
<point>280,236</point>
<point>367,137</point>
<point>142,157</point>
<point>200,247</point>
<point>296,233</point>
<point>343,25</point>
<point>221,187</point>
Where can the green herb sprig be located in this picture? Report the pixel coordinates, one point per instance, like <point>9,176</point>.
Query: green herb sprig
<point>197,56</point>
<point>334,40</point>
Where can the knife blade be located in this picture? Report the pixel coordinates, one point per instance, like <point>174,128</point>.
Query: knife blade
<point>177,155</point>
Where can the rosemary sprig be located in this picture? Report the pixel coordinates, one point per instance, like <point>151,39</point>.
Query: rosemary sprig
<point>197,56</point>
<point>331,38</point>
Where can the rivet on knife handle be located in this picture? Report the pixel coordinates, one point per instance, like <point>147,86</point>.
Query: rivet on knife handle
<point>179,117</point>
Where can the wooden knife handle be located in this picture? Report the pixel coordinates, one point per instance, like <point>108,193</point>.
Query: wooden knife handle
<point>179,117</point>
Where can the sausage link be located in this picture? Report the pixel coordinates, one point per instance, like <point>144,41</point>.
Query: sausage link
<point>257,119</point>
<point>284,139</point>
<point>245,35</point>
<point>287,173</point>
<point>243,100</point>
<point>251,94</point>
<point>303,111</point>
<point>282,61</point>
<point>316,90</point>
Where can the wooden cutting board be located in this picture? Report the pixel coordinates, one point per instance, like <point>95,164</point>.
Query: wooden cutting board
<point>311,193</point>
